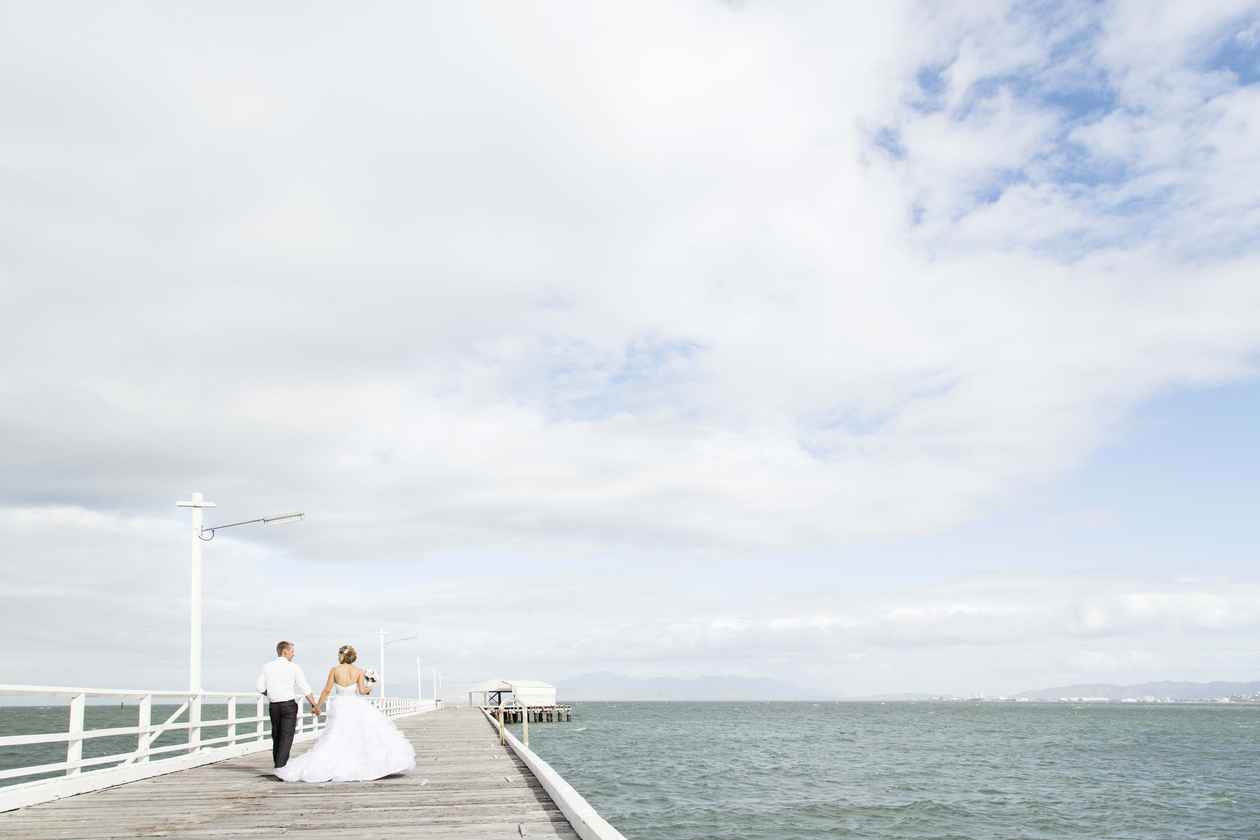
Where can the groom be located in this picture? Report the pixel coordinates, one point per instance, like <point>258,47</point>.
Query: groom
<point>283,682</point>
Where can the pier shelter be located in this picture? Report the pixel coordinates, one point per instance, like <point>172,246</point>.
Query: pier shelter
<point>523,692</point>
<point>520,699</point>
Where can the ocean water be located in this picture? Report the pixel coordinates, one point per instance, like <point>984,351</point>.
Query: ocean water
<point>897,771</point>
<point>30,720</point>
<point>755,771</point>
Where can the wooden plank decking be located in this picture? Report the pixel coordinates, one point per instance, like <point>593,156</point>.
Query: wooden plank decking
<point>464,786</point>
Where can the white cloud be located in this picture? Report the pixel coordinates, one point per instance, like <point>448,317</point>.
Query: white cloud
<point>117,583</point>
<point>629,282</point>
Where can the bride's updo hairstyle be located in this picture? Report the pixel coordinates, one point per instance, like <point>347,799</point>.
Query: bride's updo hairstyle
<point>346,654</point>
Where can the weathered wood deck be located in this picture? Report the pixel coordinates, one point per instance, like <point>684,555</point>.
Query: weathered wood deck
<point>464,786</point>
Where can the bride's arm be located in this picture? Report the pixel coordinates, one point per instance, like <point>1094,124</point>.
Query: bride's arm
<point>364,688</point>
<point>323,695</point>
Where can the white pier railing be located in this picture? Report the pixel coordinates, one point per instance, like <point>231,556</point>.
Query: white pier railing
<point>588,824</point>
<point>244,724</point>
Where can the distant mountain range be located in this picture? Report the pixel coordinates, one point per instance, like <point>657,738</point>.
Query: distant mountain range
<point>1169,690</point>
<point>609,686</point>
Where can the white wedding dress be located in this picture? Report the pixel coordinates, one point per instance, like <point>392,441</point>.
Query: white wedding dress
<point>359,744</point>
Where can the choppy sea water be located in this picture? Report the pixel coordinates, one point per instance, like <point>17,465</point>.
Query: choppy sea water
<point>897,771</point>
<point>31,720</point>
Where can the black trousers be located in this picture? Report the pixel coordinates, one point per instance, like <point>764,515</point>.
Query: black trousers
<point>283,724</point>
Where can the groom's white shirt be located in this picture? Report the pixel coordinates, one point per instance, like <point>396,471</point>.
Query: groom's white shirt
<point>283,680</point>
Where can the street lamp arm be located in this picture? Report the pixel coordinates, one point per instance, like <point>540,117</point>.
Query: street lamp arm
<point>403,639</point>
<point>266,520</point>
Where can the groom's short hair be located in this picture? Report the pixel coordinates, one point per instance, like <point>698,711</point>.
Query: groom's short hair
<point>281,647</point>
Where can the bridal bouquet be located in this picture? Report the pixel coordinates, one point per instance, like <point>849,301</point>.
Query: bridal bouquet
<point>369,675</point>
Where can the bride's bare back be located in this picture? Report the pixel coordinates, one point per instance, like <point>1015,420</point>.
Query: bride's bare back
<point>344,675</point>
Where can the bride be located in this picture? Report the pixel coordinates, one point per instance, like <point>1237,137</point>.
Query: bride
<point>359,743</point>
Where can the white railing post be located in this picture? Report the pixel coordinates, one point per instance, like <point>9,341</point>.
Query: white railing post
<point>231,718</point>
<point>258,724</point>
<point>145,723</point>
<point>74,747</point>
<point>194,723</point>
<point>525,724</point>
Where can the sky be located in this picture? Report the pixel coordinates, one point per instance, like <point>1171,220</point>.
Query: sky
<point>872,349</point>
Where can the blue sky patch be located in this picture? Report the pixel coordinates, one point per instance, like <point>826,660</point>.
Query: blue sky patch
<point>1238,52</point>
<point>1069,85</point>
<point>580,383</point>
<point>889,139</point>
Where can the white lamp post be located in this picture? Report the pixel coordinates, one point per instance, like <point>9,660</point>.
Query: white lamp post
<point>390,642</point>
<point>199,535</point>
<point>198,503</point>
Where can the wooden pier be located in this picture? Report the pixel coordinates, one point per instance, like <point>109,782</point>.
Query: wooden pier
<point>465,785</point>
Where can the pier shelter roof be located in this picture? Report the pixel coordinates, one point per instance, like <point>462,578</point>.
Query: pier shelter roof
<point>526,692</point>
